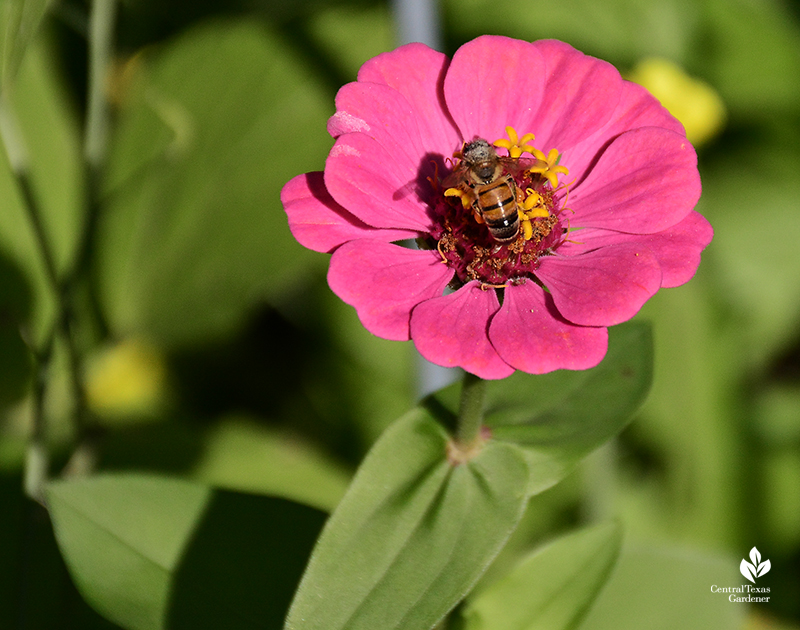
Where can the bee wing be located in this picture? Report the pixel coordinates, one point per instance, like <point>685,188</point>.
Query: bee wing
<point>515,166</point>
<point>456,178</point>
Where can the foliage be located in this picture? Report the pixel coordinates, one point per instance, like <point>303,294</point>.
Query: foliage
<point>274,392</point>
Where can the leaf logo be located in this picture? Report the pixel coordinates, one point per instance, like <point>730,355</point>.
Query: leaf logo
<point>755,568</point>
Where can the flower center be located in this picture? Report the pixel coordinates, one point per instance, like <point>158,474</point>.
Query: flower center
<point>499,214</point>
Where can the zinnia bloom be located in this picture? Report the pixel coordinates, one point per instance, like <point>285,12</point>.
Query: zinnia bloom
<point>604,203</point>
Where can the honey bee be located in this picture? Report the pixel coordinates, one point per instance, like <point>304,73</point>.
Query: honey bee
<point>487,179</point>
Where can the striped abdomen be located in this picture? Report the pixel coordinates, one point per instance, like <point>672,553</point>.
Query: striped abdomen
<point>497,204</point>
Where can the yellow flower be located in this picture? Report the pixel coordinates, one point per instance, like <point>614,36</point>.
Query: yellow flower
<point>547,166</point>
<point>692,101</point>
<point>126,379</point>
<point>514,144</point>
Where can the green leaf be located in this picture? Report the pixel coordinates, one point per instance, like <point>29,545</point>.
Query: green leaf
<point>766,303</point>
<point>667,588</point>
<point>348,36</point>
<point>193,234</point>
<point>51,133</point>
<point>551,589</point>
<point>242,454</point>
<point>19,22</point>
<point>752,84</point>
<point>560,417</point>
<point>617,29</point>
<point>413,533</point>
<point>48,132</point>
<point>782,498</point>
<point>152,553</point>
<point>34,591</point>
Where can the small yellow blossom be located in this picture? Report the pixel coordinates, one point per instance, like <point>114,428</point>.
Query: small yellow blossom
<point>532,208</point>
<point>692,101</point>
<point>547,166</point>
<point>514,144</point>
<point>466,198</point>
<point>126,379</point>
<point>534,205</point>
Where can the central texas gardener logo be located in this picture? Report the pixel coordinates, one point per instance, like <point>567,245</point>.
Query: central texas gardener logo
<point>755,568</point>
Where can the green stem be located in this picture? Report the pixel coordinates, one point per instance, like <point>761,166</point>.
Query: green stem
<point>18,159</point>
<point>470,411</point>
<point>61,289</point>
<point>37,458</point>
<point>101,31</point>
<point>95,147</point>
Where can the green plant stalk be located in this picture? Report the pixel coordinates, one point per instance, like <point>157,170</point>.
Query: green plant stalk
<point>101,32</point>
<point>470,411</point>
<point>36,457</point>
<point>95,147</point>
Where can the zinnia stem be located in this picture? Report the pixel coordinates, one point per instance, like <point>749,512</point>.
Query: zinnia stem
<point>470,412</point>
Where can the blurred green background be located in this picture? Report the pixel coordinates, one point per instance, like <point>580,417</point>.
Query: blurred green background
<point>211,348</point>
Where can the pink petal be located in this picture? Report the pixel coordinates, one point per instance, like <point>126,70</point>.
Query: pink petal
<point>493,82</point>
<point>382,114</point>
<point>530,334</point>
<point>581,95</point>
<point>319,223</point>
<point>384,282</point>
<point>602,287</point>
<point>644,182</point>
<point>364,177</point>
<point>636,108</point>
<point>452,331</point>
<point>417,72</point>
<point>677,248</point>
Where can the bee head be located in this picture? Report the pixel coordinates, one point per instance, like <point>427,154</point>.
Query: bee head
<point>481,159</point>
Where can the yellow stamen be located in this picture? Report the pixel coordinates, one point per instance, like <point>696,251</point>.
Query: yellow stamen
<point>537,213</point>
<point>466,200</point>
<point>533,206</point>
<point>532,200</point>
<point>527,230</point>
<point>547,166</point>
<point>512,134</point>
<point>514,144</point>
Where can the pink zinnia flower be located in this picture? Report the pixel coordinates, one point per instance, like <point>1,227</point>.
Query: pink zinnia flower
<point>604,205</point>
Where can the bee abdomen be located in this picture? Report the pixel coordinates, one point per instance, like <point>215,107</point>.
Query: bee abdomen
<point>504,231</point>
<point>498,207</point>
